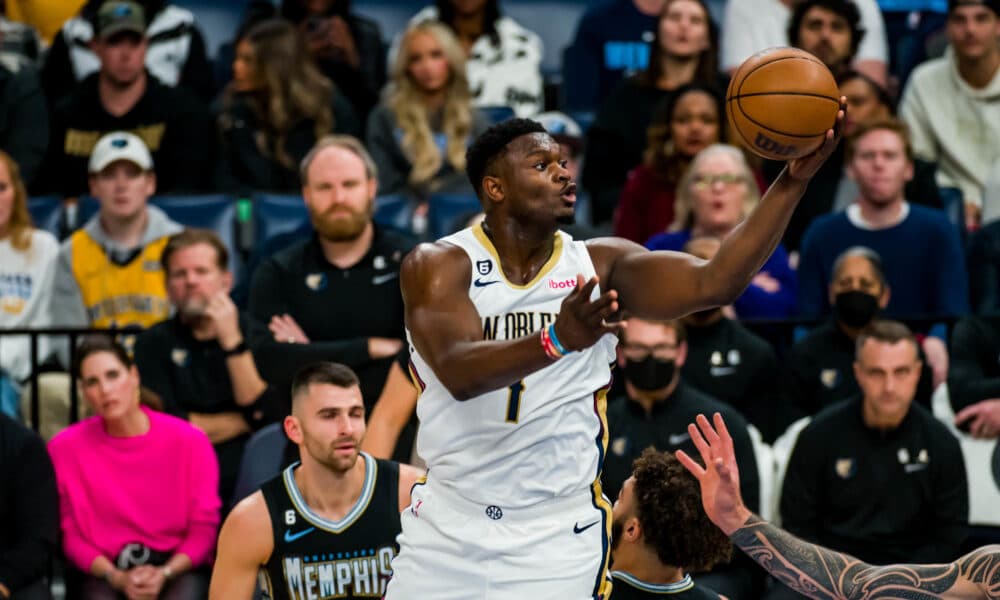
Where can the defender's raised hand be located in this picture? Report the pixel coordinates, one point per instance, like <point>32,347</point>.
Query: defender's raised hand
<point>581,322</point>
<point>720,477</point>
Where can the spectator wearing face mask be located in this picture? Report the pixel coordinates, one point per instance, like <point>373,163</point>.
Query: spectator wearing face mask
<point>819,370</point>
<point>655,411</point>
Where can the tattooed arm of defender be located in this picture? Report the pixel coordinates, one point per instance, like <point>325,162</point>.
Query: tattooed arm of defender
<point>812,570</point>
<point>823,574</point>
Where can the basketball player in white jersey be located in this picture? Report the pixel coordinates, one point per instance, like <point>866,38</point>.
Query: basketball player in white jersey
<point>510,343</point>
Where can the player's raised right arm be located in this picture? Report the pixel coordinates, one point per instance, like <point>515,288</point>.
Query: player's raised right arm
<point>245,544</point>
<point>447,330</point>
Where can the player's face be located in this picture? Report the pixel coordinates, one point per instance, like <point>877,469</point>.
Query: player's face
<point>974,31</point>
<point>427,64</point>
<point>111,388</point>
<point>827,36</point>
<point>331,425</point>
<point>887,375</point>
<point>863,103</point>
<point>719,190</point>
<point>536,182</point>
<point>339,195</point>
<point>6,198</point>
<point>880,166</point>
<point>123,57</point>
<point>245,68</point>
<point>695,123</point>
<point>122,188</point>
<point>684,29</point>
<point>857,275</point>
<point>194,277</point>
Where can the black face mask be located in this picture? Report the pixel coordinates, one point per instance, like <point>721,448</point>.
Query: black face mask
<point>650,374</point>
<point>854,308</point>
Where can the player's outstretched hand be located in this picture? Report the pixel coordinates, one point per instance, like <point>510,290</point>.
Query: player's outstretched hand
<point>805,167</point>
<point>581,322</point>
<point>720,477</point>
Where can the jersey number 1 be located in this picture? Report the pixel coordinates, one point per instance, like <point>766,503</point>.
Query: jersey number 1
<point>514,401</point>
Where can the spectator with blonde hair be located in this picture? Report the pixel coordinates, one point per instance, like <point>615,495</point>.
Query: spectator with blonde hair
<point>714,195</point>
<point>419,133</point>
<point>27,270</point>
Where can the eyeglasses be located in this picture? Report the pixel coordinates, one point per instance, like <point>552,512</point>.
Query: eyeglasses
<point>704,182</point>
<point>640,352</point>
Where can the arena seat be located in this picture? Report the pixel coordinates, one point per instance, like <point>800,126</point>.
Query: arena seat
<point>277,213</point>
<point>394,211</point>
<point>447,209</point>
<point>216,212</point>
<point>262,458</point>
<point>980,455</point>
<point>497,114</point>
<point>47,214</point>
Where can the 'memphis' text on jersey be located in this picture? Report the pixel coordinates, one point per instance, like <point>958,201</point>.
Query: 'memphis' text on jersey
<point>360,574</point>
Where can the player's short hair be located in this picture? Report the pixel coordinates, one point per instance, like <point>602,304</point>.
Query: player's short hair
<point>491,145</point>
<point>873,258</point>
<point>846,9</point>
<point>193,236</point>
<point>887,332</point>
<point>889,124</point>
<point>330,373</point>
<point>668,506</point>
<point>347,142</point>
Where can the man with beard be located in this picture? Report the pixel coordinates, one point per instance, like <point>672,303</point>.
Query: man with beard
<point>327,526</point>
<point>819,370</point>
<point>334,296</point>
<point>729,362</point>
<point>654,414</point>
<point>174,124</point>
<point>830,30</point>
<point>660,532</point>
<point>198,361</point>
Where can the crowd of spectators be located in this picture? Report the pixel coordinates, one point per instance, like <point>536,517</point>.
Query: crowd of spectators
<point>109,105</point>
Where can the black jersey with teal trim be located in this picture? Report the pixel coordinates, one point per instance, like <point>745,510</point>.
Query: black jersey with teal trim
<point>627,587</point>
<point>315,558</point>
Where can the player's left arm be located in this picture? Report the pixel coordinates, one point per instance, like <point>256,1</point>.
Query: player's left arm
<point>408,477</point>
<point>666,285</point>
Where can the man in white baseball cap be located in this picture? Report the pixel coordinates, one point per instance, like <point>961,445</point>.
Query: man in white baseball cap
<point>109,273</point>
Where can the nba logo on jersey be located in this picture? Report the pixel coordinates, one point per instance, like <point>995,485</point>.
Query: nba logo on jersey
<point>484,266</point>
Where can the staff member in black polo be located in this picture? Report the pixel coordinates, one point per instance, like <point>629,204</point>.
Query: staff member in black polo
<point>334,296</point>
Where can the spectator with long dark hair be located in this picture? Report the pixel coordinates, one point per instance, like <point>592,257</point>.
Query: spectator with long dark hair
<point>684,51</point>
<point>137,488</point>
<point>347,47</point>
<point>274,109</point>
<point>503,58</point>
<point>688,122</point>
<point>419,134</point>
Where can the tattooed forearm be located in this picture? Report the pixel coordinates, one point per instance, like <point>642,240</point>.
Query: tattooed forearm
<point>823,574</point>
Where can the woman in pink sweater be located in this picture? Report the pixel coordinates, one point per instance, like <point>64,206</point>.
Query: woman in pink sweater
<point>137,488</point>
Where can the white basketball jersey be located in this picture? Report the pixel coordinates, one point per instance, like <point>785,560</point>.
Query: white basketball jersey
<point>542,437</point>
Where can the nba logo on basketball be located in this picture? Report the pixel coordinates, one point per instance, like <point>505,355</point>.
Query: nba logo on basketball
<point>768,145</point>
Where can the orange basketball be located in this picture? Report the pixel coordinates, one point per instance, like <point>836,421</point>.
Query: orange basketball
<point>781,102</point>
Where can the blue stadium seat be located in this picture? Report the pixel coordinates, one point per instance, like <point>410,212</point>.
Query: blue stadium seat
<point>393,210</point>
<point>86,207</point>
<point>216,212</point>
<point>262,457</point>
<point>497,114</point>
<point>47,213</point>
<point>277,213</point>
<point>447,209</point>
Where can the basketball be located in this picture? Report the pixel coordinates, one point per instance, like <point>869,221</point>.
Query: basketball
<point>781,102</point>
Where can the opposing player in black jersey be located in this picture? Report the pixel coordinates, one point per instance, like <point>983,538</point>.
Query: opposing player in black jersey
<point>660,532</point>
<point>327,526</point>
